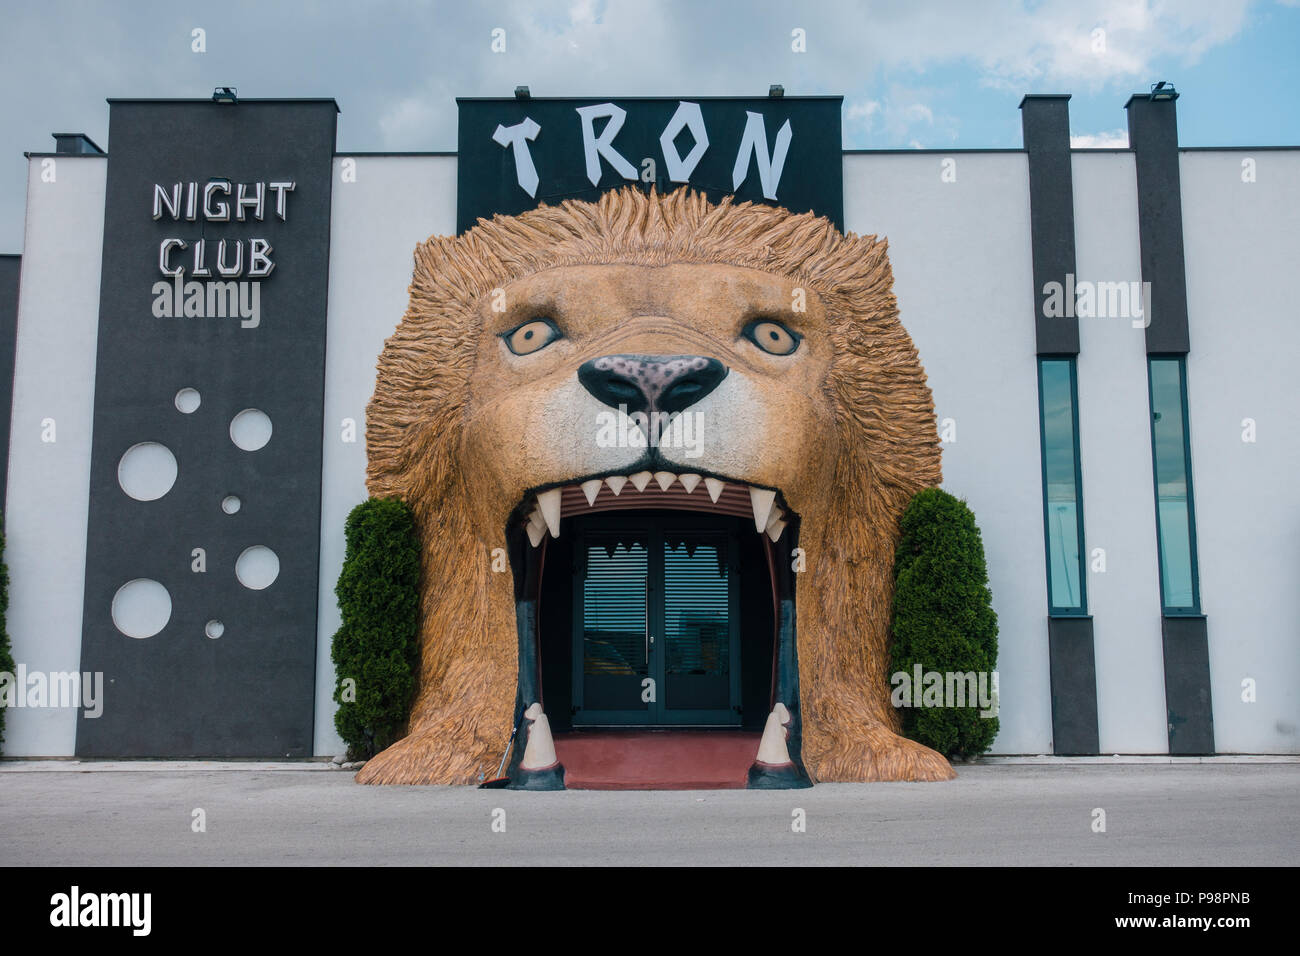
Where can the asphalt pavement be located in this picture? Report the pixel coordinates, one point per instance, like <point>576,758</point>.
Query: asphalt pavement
<point>147,814</point>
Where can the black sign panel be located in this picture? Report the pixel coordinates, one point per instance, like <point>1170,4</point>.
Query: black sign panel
<point>213,303</point>
<point>514,154</point>
<point>10,268</point>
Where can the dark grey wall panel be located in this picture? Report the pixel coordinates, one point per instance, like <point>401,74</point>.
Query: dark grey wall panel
<point>1074,685</point>
<point>1187,685</point>
<point>1045,120</point>
<point>251,691</point>
<point>1153,137</point>
<point>10,269</point>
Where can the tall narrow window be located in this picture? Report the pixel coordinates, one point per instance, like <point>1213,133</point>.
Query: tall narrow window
<point>1062,488</point>
<point>1175,513</point>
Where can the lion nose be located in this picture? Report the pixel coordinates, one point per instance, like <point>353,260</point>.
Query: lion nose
<point>651,383</point>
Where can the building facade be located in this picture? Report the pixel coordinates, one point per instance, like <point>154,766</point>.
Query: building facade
<point>1106,333</point>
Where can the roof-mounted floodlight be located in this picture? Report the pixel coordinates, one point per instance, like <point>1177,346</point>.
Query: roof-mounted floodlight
<point>1163,91</point>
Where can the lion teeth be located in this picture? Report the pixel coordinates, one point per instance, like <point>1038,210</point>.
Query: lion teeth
<point>664,479</point>
<point>548,502</point>
<point>777,514</point>
<point>539,751</point>
<point>762,500</point>
<point>535,520</point>
<point>715,488</point>
<point>591,489</point>
<point>689,482</point>
<point>535,535</point>
<point>772,748</point>
<point>640,480</point>
<point>775,523</point>
<point>616,483</point>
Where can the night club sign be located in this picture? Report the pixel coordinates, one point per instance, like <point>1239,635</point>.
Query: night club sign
<point>517,153</point>
<point>220,265</point>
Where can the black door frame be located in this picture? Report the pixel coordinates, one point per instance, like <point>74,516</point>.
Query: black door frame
<point>657,713</point>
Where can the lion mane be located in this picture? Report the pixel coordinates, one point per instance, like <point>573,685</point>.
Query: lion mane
<point>887,450</point>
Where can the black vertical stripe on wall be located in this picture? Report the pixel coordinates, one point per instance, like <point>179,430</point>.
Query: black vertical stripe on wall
<point>1187,685</point>
<point>1074,685</point>
<point>1153,137</point>
<point>10,268</point>
<point>1045,120</point>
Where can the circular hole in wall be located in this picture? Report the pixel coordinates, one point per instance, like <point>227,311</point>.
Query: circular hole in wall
<point>230,504</point>
<point>257,567</point>
<point>188,400</point>
<point>147,471</point>
<point>141,608</point>
<point>214,629</point>
<point>250,429</point>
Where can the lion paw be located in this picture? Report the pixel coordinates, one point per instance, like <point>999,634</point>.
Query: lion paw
<point>879,754</point>
<point>422,757</point>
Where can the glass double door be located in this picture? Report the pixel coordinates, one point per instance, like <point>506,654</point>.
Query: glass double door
<point>656,637</point>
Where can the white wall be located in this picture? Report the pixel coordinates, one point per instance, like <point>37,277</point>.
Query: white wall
<point>962,261</point>
<point>395,203</point>
<point>1115,454</point>
<point>1242,247</point>
<point>48,492</point>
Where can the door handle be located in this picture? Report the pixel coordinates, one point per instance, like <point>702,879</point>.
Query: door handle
<point>648,622</point>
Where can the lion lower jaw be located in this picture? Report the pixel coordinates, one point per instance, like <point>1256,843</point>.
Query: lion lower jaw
<point>543,510</point>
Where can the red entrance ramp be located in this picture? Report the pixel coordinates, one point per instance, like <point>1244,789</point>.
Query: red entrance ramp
<point>656,759</point>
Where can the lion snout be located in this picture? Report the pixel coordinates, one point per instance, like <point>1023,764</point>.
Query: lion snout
<point>651,383</point>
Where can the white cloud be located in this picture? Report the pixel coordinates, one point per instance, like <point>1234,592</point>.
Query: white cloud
<point>902,114</point>
<point>1022,45</point>
<point>1109,139</point>
<point>860,111</point>
<point>918,113</point>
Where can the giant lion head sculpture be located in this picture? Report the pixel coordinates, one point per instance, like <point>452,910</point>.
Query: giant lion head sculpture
<point>780,335</point>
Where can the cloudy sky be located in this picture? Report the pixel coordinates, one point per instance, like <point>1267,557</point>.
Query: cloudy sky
<point>944,74</point>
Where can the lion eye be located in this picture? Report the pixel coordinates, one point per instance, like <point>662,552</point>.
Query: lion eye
<point>772,337</point>
<point>531,336</point>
